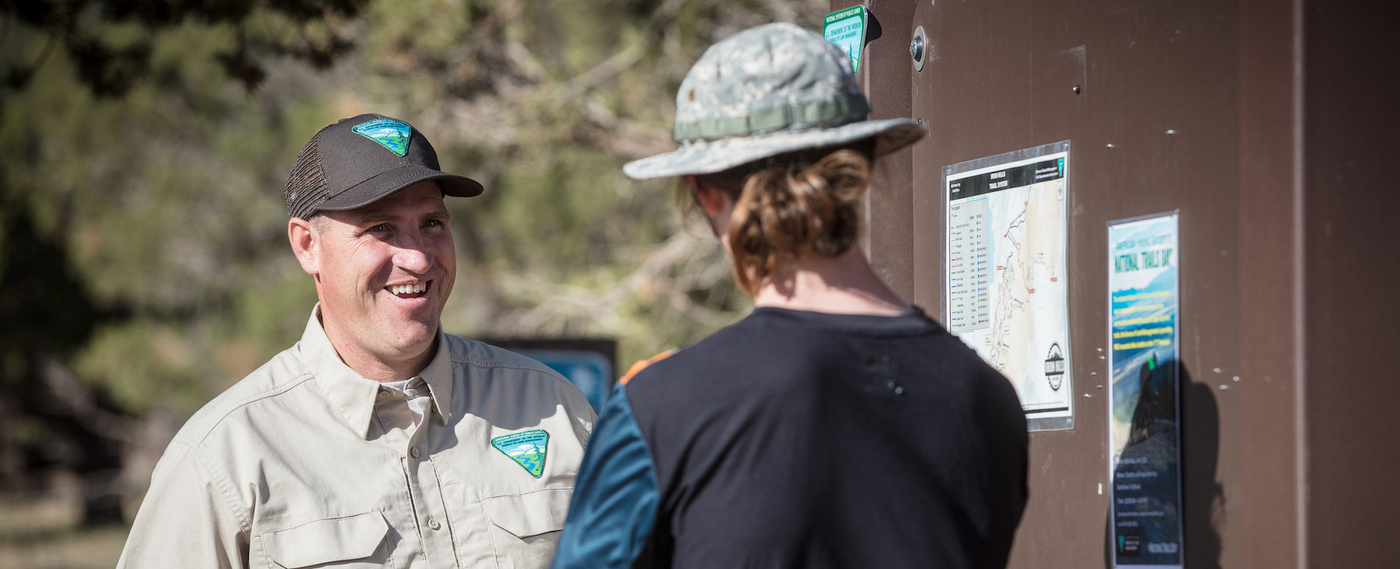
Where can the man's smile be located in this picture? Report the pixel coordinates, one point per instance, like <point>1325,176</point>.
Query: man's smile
<point>410,290</point>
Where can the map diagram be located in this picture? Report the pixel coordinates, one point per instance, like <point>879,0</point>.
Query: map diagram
<point>1006,286</point>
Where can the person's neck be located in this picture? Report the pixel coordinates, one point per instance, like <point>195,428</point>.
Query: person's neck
<point>377,368</point>
<point>840,285</point>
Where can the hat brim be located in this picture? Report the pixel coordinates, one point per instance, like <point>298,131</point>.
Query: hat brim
<point>390,181</point>
<point>710,156</point>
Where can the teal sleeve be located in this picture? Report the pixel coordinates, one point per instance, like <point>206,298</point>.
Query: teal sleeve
<point>613,511</point>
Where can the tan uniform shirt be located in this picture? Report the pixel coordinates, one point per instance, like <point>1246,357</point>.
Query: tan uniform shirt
<point>306,463</point>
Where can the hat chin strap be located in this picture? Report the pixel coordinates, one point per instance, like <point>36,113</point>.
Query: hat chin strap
<point>835,112</point>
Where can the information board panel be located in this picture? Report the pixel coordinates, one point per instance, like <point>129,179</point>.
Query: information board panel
<point>1144,429</point>
<point>1005,277</point>
<point>585,362</point>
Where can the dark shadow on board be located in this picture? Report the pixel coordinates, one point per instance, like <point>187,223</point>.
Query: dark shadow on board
<point>1203,498</point>
<point>873,31</point>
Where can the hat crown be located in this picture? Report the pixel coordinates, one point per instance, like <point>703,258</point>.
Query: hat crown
<point>768,78</point>
<point>362,159</point>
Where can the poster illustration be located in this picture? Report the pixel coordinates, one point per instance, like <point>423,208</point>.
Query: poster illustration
<point>1144,426</point>
<point>1006,276</point>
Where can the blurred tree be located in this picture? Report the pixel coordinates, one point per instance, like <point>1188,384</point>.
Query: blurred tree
<point>48,315</point>
<point>110,42</point>
<point>133,205</point>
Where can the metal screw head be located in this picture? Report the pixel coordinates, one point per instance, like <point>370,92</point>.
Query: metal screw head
<point>917,47</point>
<point>1076,89</point>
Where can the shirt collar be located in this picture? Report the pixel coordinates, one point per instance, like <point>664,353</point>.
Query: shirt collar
<point>351,394</point>
<point>438,376</point>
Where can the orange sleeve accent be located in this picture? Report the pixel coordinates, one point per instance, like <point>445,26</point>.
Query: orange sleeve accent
<point>642,364</point>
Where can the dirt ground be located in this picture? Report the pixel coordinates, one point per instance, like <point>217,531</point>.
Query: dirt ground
<point>43,533</point>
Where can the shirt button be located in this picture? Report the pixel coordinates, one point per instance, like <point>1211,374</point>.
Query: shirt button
<point>414,451</point>
<point>433,523</point>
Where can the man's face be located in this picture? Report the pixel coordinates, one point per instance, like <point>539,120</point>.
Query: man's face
<point>383,273</point>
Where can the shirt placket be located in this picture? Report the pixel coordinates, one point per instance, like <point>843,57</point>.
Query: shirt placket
<point>413,445</point>
<point>425,486</point>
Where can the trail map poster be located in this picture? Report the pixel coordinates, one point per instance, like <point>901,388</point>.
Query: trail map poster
<point>1144,430</point>
<point>1005,276</point>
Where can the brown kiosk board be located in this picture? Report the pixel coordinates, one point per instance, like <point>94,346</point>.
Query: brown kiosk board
<point>1269,127</point>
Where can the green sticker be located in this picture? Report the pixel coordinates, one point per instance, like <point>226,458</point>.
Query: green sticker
<point>846,29</point>
<point>390,133</point>
<point>527,449</point>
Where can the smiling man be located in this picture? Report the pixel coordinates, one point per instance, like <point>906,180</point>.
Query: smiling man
<point>377,440</point>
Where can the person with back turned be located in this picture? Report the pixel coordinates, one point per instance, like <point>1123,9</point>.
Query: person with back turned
<point>836,425</point>
<point>377,440</point>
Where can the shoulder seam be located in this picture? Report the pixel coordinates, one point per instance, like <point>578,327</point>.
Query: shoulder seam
<point>295,382</point>
<point>492,364</point>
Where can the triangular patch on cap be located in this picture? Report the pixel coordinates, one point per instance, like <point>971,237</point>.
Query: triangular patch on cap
<point>390,133</point>
<point>527,449</point>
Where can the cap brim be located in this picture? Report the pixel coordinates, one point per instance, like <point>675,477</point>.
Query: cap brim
<point>390,181</point>
<point>708,157</point>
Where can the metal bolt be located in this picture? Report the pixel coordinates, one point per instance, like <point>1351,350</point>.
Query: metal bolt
<point>1076,89</point>
<point>917,47</point>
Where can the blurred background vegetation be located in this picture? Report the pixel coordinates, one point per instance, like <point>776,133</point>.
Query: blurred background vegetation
<point>143,257</point>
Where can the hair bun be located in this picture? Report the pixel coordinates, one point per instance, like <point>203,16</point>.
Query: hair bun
<point>793,205</point>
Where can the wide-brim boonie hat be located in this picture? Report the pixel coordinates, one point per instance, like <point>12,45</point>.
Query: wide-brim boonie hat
<point>361,160</point>
<point>765,91</point>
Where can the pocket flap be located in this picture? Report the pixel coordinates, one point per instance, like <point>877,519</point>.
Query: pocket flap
<point>532,513</point>
<point>326,541</point>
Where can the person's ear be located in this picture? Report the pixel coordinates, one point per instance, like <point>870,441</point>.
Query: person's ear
<point>305,245</point>
<point>710,198</point>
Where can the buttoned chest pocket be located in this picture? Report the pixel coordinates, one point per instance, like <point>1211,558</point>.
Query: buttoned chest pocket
<point>525,527</point>
<point>351,542</point>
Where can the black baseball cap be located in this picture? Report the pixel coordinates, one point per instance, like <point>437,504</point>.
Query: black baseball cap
<point>360,160</point>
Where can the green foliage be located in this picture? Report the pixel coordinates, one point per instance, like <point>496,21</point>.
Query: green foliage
<point>168,203</point>
<point>110,42</point>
